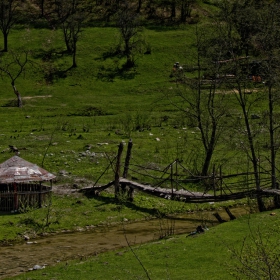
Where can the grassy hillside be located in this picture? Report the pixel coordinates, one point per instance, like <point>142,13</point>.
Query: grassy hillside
<point>94,103</point>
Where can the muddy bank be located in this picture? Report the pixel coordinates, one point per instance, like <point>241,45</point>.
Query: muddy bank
<point>49,250</point>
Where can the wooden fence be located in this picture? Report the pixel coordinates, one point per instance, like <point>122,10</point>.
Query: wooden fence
<point>16,197</point>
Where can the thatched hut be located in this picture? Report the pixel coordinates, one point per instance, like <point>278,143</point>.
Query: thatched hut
<point>21,185</point>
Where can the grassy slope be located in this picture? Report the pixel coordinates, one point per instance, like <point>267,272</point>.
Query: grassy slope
<point>207,256</point>
<point>123,98</point>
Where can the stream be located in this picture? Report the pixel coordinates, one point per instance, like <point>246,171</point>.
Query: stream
<point>48,250</point>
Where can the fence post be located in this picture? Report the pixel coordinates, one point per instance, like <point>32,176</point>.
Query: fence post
<point>126,167</point>
<point>117,172</point>
<point>214,184</point>
<point>127,159</point>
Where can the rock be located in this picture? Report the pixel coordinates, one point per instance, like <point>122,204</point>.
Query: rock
<point>37,267</point>
<point>26,237</point>
<point>13,148</point>
<point>31,242</point>
<point>88,146</point>
<point>63,172</point>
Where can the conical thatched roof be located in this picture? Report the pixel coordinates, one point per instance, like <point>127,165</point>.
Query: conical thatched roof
<point>19,170</point>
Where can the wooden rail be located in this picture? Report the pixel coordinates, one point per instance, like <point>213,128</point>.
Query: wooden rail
<point>180,195</point>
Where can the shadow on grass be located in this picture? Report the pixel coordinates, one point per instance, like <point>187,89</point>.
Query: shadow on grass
<point>130,205</point>
<point>115,67</point>
<point>108,74</point>
<point>11,103</point>
<point>50,55</point>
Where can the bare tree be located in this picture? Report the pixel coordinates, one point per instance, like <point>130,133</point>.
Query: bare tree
<point>267,45</point>
<point>41,4</point>
<point>202,102</point>
<point>240,85</point>
<point>130,28</point>
<point>186,8</point>
<point>139,6</point>
<point>69,15</point>
<point>71,30</point>
<point>9,12</point>
<point>13,67</point>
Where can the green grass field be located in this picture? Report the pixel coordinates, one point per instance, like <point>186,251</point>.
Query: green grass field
<point>82,109</point>
<point>95,103</point>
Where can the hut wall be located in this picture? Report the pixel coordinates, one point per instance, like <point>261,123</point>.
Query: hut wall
<point>22,196</point>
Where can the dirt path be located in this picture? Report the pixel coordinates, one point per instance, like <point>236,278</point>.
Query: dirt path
<point>19,258</point>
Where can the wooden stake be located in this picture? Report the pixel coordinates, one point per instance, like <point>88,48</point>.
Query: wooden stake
<point>127,159</point>
<point>117,172</point>
<point>126,168</point>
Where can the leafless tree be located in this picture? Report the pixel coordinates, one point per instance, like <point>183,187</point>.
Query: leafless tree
<point>9,12</point>
<point>267,45</point>
<point>69,15</point>
<point>13,67</point>
<point>130,28</point>
<point>203,102</point>
<point>241,85</point>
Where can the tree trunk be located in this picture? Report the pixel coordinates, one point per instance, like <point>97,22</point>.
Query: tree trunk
<point>139,6</point>
<point>254,158</point>
<point>74,62</point>
<point>19,100</point>
<point>129,60</point>
<point>5,34</point>
<point>173,10</point>
<point>42,6</point>
<point>271,135</point>
<point>67,35</point>
<point>274,184</point>
<point>209,154</point>
<point>183,12</point>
